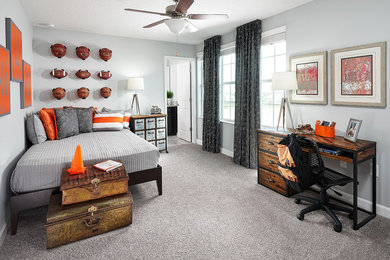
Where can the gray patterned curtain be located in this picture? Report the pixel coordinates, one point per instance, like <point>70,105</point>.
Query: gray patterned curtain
<point>211,129</point>
<point>247,109</point>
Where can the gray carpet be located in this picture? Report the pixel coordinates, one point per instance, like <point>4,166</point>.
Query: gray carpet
<point>210,209</point>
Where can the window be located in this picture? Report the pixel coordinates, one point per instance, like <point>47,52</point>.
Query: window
<point>273,59</point>
<point>200,86</point>
<point>228,86</point>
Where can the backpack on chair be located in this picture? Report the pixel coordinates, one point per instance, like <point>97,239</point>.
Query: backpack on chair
<point>292,164</point>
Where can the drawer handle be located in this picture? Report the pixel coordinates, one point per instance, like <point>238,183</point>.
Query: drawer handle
<point>271,143</point>
<point>92,222</point>
<point>95,183</point>
<point>271,180</point>
<point>271,162</point>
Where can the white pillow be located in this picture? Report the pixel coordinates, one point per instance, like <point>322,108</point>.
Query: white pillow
<point>35,131</point>
<point>107,122</point>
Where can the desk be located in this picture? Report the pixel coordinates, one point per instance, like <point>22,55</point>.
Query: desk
<point>354,153</point>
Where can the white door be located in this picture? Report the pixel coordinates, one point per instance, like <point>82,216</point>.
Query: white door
<point>183,80</point>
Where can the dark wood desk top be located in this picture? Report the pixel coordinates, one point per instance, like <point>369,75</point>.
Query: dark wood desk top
<point>337,141</point>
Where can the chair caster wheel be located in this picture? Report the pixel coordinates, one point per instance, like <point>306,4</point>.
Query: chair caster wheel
<point>350,215</point>
<point>300,216</point>
<point>297,201</point>
<point>338,228</point>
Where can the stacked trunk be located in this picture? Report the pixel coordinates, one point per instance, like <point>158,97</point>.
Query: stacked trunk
<point>91,203</point>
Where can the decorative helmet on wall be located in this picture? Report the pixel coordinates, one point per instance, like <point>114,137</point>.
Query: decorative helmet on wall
<point>83,92</point>
<point>59,93</point>
<point>104,74</point>
<point>58,73</point>
<point>82,52</point>
<point>105,54</point>
<point>83,74</point>
<point>105,92</point>
<point>58,50</point>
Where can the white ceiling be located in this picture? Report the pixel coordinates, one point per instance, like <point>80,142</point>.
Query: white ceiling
<point>108,17</point>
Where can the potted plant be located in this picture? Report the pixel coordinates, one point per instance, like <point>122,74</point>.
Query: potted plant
<point>169,97</point>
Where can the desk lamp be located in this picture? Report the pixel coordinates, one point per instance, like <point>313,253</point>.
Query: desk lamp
<point>135,84</point>
<point>284,81</point>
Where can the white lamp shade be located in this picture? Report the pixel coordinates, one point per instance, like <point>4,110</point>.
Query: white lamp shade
<point>284,81</point>
<point>135,84</point>
<point>177,26</point>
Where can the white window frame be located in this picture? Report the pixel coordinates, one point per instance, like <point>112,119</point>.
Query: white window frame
<point>221,87</point>
<point>200,84</point>
<point>275,36</point>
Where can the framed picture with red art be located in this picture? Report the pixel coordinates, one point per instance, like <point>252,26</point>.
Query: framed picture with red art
<point>14,45</point>
<point>311,71</point>
<point>5,93</point>
<point>359,76</point>
<point>25,86</point>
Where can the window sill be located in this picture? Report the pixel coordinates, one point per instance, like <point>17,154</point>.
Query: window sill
<point>227,121</point>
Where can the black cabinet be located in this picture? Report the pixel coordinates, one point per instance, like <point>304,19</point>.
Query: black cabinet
<point>172,120</point>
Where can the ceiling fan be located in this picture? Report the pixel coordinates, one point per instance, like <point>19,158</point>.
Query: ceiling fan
<point>179,19</point>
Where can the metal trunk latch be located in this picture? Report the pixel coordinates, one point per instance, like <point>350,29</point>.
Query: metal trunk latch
<point>95,182</point>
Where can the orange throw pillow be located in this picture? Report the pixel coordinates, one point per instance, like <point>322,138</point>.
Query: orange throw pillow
<point>48,124</point>
<point>51,113</point>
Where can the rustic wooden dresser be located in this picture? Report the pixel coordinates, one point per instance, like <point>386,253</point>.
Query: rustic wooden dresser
<point>152,128</point>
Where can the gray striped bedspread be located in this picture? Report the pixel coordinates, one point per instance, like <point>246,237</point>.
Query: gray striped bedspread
<point>41,165</point>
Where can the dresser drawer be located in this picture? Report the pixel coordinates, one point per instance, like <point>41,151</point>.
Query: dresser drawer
<point>160,122</point>
<point>140,134</point>
<point>268,161</point>
<point>161,145</point>
<point>150,123</point>
<point>161,133</point>
<point>273,181</point>
<point>139,124</point>
<point>150,135</point>
<point>268,142</point>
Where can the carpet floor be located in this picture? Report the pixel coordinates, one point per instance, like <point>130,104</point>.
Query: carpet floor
<point>210,209</point>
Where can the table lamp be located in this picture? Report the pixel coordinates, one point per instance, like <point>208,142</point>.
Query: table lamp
<point>135,84</point>
<point>284,81</point>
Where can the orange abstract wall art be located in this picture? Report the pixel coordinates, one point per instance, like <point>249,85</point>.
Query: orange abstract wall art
<point>14,44</point>
<point>5,98</point>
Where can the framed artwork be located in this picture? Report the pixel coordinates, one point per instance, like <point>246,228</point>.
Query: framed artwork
<point>25,86</point>
<point>359,76</point>
<point>5,93</point>
<point>14,45</point>
<point>353,128</point>
<point>311,71</point>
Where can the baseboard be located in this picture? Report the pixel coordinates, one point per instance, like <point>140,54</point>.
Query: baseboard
<point>363,203</point>
<point>223,150</point>
<point>3,233</point>
<point>227,152</point>
<point>366,204</point>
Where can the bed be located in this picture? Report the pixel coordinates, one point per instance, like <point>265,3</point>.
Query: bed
<point>38,172</point>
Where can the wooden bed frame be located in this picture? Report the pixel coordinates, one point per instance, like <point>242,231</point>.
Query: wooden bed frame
<point>30,200</point>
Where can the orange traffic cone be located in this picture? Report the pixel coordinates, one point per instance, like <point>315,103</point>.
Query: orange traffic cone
<point>77,163</point>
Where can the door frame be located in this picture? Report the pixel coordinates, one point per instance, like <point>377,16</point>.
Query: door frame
<point>192,61</point>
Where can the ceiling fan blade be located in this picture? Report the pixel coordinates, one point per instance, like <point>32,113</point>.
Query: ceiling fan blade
<point>154,24</point>
<point>183,6</point>
<point>191,27</point>
<point>143,11</point>
<point>208,16</point>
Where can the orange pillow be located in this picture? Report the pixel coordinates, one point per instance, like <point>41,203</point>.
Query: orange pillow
<point>51,113</point>
<point>48,124</point>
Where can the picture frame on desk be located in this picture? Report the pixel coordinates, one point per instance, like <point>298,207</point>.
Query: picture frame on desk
<point>353,129</point>
<point>312,78</point>
<point>359,76</point>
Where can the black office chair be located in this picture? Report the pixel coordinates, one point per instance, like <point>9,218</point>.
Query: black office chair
<point>311,167</point>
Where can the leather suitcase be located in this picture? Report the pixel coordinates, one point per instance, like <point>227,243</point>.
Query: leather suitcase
<point>93,184</point>
<point>66,224</point>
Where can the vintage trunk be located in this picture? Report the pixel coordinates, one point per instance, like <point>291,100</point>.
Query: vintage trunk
<point>93,184</point>
<point>66,224</point>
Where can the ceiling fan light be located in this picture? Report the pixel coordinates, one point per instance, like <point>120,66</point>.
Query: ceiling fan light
<point>177,26</point>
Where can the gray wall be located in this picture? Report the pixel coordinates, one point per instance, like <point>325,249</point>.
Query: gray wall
<point>12,133</point>
<point>130,58</point>
<point>324,26</point>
